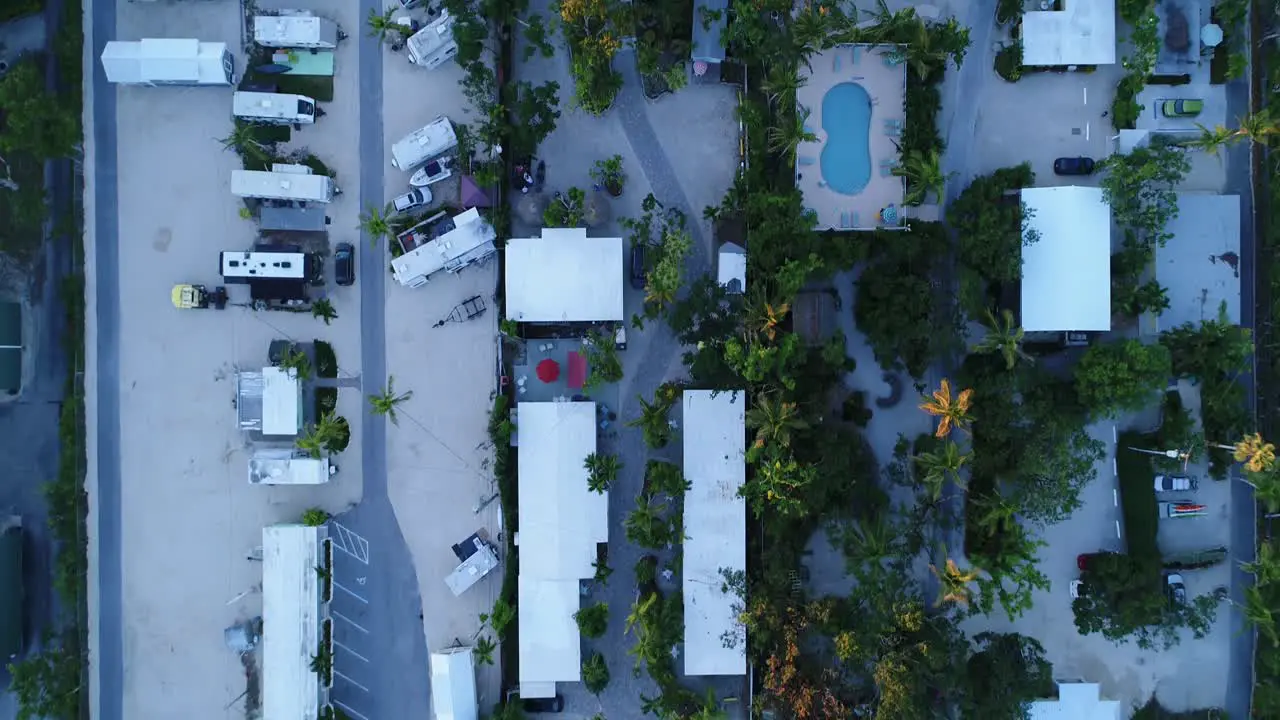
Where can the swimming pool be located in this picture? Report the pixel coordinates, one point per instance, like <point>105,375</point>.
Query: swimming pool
<point>846,158</point>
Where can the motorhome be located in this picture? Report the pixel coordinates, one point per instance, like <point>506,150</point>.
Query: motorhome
<point>433,45</point>
<point>274,108</point>
<point>241,266</point>
<point>435,138</point>
<point>285,466</point>
<point>296,29</point>
<point>168,61</point>
<point>283,182</point>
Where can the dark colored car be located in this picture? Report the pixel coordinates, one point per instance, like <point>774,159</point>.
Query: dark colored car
<point>12,619</point>
<point>1083,559</point>
<point>543,705</point>
<point>637,266</point>
<point>344,264</point>
<point>1073,166</point>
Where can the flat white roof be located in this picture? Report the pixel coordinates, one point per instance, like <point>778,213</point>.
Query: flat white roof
<point>164,60</point>
<point>564,276</point>
<point>732,268</point>
<point>1200,263</point>
<point>281,185</point>
<point>550,644</point>
<point>715,526</point>
<point>1066,275</point>
<point>284,466</point>
<point>453,684</point>
<point>281,402</point>
<point>1076,701</point>
<point>288,265</point>
<point>471,236</point>
<point>1083,33</point>
<point>291,617</point>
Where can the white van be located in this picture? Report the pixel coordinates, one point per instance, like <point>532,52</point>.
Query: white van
<point>296,29</point>
<point>274,108</point>
<point>436,138</point>
<point>283,182</point>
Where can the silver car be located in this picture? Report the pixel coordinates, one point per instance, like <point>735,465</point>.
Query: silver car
<point>415,198</point>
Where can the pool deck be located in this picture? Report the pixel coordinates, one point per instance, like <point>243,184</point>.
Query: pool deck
<point>886,84</point>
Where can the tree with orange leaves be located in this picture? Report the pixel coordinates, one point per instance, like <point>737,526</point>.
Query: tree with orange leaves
<point>952,412</point>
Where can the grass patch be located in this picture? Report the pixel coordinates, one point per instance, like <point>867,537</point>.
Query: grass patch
<point>317,166</point>
<point>271,133</point>
<point>1138,494</point>
<point>326,360</point>
<point>317,87</point>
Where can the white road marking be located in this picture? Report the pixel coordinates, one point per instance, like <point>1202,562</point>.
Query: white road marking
<point>349,711</point>
<point>353,682</point>
<point>353,652</point>
<point>1085,90</point>
<point>1117,529</point>
<point>340,587</point>
<point>1115,497</point>
<point>348,620</point>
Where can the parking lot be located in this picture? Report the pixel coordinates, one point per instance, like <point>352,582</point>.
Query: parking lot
<point>353,562</point>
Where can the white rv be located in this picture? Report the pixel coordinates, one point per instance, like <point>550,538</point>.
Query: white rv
<point>419,146</point>
<point>288,467</point>
<point>296,29</point>
<point>433,45</point>
<point>168,61</point>
<point>275,108</point>
<point>453,684</point>
<point>283,182</point>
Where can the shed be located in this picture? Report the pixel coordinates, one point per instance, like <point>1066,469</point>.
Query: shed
<point>715,527</point>
<point>1066,273</point>
<point>453,684</point>
<point>293,219</point>
<point>588,273</point>
<point>1082,33</point>
<point>293,613</point>
<point>269,402</point>
<point>168,61</point>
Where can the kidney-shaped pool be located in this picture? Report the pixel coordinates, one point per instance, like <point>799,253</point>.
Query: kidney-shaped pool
<point>846,119</point>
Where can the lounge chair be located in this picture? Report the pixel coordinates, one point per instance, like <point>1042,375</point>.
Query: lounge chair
<point>893,123</point>
<point>844,220</point>
<point>893,131</point>
<point>836,64</point>
<point>855,54</point>
<point>853,221</point>
<point>805,160</point>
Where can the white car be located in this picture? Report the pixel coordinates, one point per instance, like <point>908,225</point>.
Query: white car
<point>1077,588</point>
<point>415,198</point>
<point>433,172</point>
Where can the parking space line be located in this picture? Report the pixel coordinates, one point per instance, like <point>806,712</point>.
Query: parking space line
<point>353,682</point>
<point>344,589</point>
<point>1118,530</point>
<point>348,620</point>
<point>1115,497</point>
<point>351,543</point>
<point>1085,90</point>
<point>353,652</point>
<point>349,711</point>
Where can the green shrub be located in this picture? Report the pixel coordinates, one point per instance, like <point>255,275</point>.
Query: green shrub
<point>1009,62</point>
<point>326,401</point>
<point>1138,494</point>
<point>326,360</point>
<point>593,620</point>
<point>314,517</point>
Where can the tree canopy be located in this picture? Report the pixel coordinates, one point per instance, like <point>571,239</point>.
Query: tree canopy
<point>1122,375</point>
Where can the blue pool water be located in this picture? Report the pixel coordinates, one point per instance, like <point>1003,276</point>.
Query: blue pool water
<point>846,157</point>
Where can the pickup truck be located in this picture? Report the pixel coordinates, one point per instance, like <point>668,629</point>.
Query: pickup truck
<point>1175,483</point>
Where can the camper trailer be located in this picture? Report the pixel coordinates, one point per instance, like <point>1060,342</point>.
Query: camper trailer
<point>283,182</point>
<point>296,29</point>
<point>274,108</point>
<point>453,684</point>
<point>433,45</point>
<point>288,467</point>
<point>168,62</point>
<point>419,146</point>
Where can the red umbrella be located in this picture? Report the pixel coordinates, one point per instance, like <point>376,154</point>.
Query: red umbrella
<point>548,370</point>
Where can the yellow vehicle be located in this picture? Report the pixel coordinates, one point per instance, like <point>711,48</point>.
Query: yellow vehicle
<point>188,297</point>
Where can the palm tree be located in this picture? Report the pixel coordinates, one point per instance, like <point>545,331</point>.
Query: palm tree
<point>954,412</point>
<point>781,84</point>
<point>376,223</point>
<point>811,31</point>
<point>785,140</point>
<point>920,53</point>
<point>484,650</point>
<point>325,434</point>
<point>385,402</point>
<point>774,419</point>
<point>1212,140</point>
<point>1266,489</point>
<point>645,525</point>
<point>602,470</point>
<point>653,422</point>
<point>1266,569</point>
<point>244,141</point>
<point>323,309</point>
<point>939,466</point>
<point>296,361</point>
<point>1258,611</point>
<point>1005,337</point>
<point>382,25</point>
<point>1257,455</point>
<point>1258,127</point>
<point>994,511</point>
<point>762,316</point>
<point>870,541</point>
<point>954,583</point>
<point>923,171</point>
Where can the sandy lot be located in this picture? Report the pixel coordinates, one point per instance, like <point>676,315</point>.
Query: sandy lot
<point>190,516</point>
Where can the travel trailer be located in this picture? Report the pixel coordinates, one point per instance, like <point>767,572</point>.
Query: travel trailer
<point>274,108</point>
<point>283,182</point>
<point>419,146</point>
<point>168,61</point>
<point>296,29</point>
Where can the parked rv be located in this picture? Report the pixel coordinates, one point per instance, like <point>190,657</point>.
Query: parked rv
<point>296,29</point>
<point>283,182</point>
<point>1172,483</point>
<point>288,467</point>
<point>435,138</point>
<point>168,61</point>
<point>433,45</point>
<point>276,109</point>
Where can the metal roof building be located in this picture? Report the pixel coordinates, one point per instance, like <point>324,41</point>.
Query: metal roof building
<point>293,614</point>
<point>561,521</point>
<point>1082,33</point>
<point>269,402</point>
<point>563,277</point>
<point>1066,274</point>
<point>715,527</point>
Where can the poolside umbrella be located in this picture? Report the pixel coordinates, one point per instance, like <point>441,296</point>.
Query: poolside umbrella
<point>699,68</point>
<point>1211,35</point>
<point>889,215</point>
<point>595,211</point>
<point>548,370</point>
<point>530,208</point>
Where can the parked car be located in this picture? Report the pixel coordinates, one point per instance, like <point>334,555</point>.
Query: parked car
<point>1170,483</point>
<point>1181,108</point>
<point>415,198</point>
<point>637,266</point>
<point>543,705</point>
<point>1073,166</point>
<point>1078,589</point>
<point>432,172</point>
<point>344,264</point>
<point>1083,559</point>
<point>12,629</point>
<point>1177,590</point>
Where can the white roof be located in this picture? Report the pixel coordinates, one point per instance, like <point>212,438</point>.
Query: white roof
<point>564,276</point>
<point>471,236</point>
<point>281,402</point>
<point>453,685</point>
<point>1200,263</point>
<point>550,644</point>
<point>1084,33</point>
<point>434,138</point>
<point>293,30</point>
<point>175,61</point>
<point>715,526</point>
<point>1066,275</point>
<point>279,106</point>
<point>732,268</point>
<point>433,41</point>
<point>284,466</point>
<point>1076,701</point>
<point>291,617</point>
<point>281,185</point>
<point>246,264</point>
